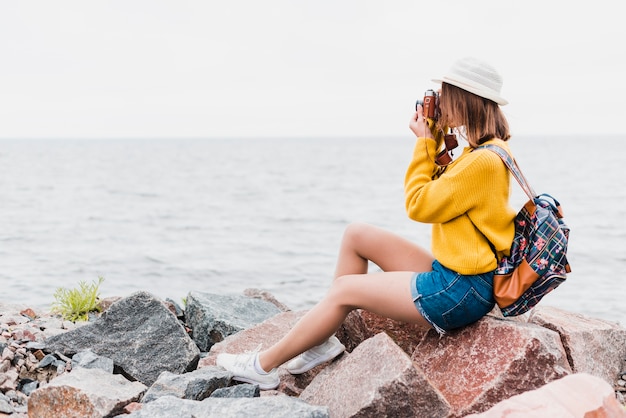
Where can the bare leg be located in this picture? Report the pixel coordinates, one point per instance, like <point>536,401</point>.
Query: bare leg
<point>387,294</point>
<point>362,242</point>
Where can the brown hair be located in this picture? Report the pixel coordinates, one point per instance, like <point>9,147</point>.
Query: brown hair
<point>482,118</point>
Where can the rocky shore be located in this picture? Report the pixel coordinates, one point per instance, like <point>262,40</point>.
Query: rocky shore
<point>146,357</point>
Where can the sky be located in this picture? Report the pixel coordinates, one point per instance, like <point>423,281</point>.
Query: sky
<point>289,68</point>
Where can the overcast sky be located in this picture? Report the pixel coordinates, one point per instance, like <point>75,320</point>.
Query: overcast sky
<point>156,68</point>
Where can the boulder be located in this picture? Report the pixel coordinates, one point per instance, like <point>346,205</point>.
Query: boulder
<point>489,361</point>
<point>139,334</point>
<point>576,395</point>
<point>377,379</point>
<point>195,385</point>
<point>84,393</point>
<point>213,317</point>
<point>271,406</point>
<point>583,338</point>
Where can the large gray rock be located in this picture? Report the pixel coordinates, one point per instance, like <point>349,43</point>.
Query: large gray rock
<point>275,407</point>
<point>377,379</point>
<point>85,393</point>
<point>195,385</point>
<point>213,317</point>
<point>139,334</point>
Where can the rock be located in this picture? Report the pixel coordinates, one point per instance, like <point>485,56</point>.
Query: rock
<point>244,390</point>
<point>175,308</point>
<point>489,361</point>
<point>407,336</point>
<point>105,303</point>
<point>27,386</point>
<point>5,406</point>
<point>583,338</point>
<point>195,385</point>
<point>132,407</point>
<point>90,360</point>
<point>377,379</point>
<point>139,334</point>
<point>576,395</point>
<point>84,393</point>
<point>272,406</point>
<point>46,361</point>
<point>213,317</point>
<point>8,380</point>
<point>29,313</point>
<point>267,296</point>
<point>354,330</point>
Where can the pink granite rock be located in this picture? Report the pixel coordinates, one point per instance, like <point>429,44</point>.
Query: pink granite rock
<point>84,393</point>
<point>489,361</point>
<point>576,395</point>
<point>584,338</point>
<point>377,379</point>
<point>406,335</point>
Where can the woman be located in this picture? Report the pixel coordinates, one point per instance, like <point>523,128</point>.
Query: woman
<point>467,203</point>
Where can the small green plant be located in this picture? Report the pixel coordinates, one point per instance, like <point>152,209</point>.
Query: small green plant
<point>75,304</point>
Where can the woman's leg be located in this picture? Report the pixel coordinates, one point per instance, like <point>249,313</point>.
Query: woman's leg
<point>362,242</point>
<point>387,294</point>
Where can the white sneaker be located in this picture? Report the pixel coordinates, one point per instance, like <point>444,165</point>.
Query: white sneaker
<point>243,369</point>
<point>316,356</point>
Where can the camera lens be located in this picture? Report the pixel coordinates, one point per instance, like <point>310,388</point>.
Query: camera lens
<point>419,103</point>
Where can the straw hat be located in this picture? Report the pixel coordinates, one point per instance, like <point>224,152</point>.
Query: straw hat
<point>477,77</point>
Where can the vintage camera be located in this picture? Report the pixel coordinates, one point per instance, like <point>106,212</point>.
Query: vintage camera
<point>432,111</point>
<point>430,104</point>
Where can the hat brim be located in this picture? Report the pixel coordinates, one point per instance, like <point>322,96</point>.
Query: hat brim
<point>472,87</point>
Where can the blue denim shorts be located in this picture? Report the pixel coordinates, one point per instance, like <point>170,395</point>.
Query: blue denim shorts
<point>449,300</point>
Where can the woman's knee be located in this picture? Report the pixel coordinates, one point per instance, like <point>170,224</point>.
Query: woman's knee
<point>341,291</point>
<point>358,233</point>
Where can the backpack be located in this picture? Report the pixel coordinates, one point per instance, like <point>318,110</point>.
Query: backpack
<point>537,262</point>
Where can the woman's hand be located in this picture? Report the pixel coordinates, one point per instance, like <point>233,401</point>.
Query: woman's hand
<point>418,124</point>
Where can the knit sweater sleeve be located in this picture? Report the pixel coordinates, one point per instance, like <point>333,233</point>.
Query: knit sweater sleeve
<point>465,184</point>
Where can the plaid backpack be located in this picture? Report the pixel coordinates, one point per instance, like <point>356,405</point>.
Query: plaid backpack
<point>537,263</point>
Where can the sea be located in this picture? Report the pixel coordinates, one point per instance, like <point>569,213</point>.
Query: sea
<point>221,215</point>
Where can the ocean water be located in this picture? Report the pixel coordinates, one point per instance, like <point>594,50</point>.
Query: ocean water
<point>171,216</point>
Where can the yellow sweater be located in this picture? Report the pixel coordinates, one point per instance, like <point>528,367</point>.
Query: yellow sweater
<point>468,206</point>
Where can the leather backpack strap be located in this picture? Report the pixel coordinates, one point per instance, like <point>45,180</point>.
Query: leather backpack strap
<point>513,168</point>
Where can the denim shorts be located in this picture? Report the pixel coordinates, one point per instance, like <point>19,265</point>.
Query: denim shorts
<point>449,300</point>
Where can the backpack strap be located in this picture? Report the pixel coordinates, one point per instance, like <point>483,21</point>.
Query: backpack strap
<point>513,168</point>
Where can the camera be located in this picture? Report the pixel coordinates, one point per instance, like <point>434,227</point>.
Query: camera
<point>430,104</point>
